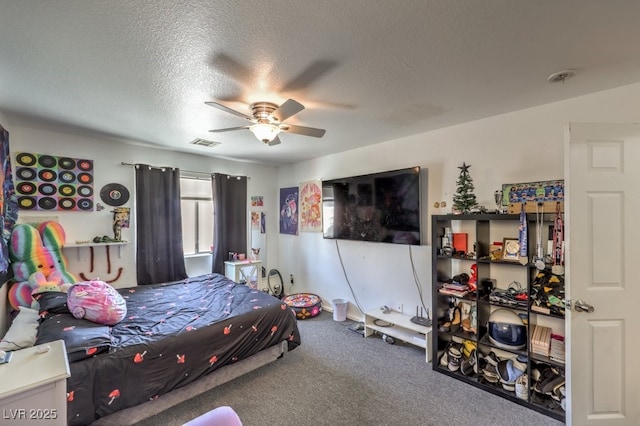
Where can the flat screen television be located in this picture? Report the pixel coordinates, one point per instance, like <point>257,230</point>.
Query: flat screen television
<point>381,207</point>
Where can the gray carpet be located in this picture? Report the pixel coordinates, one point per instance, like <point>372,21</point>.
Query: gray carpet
<point>337,377</point>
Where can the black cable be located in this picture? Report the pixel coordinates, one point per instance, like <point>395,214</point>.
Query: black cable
<point>382,323</point>
<point>344,271</point>
<point>417,280</point>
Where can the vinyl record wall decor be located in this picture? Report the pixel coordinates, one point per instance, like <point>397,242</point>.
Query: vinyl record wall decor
<point>47,182</point>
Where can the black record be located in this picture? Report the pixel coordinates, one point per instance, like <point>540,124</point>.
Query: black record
<point>85,191</point>
<point>67,190</point>
<point>66,163</point>
<point>27,203</point>
<point>67,203</point>
<point>67,177</point>
<point>114,194</point>
<point>47,161</point>
<point>85,178</point>
<point>47,175</point>
<point>85,165</point>
<point>47,189</point>
<point>26,159</point>
<point>85,204</point>
<point>25,173</point>
<point>47,203</point>
<point>26,188</point>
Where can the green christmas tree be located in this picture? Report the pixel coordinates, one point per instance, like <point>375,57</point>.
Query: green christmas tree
<point>464,198</point>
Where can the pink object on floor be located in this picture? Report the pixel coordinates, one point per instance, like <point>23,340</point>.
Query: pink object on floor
<point>221,416</point>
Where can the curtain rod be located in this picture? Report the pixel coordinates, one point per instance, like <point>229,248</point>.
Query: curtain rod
<point>206,174</point>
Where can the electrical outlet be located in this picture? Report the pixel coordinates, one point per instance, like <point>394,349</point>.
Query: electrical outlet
<point>291,278</point>
<point>399,307</point>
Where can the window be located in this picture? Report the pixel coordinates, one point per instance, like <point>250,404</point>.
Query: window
<point>196,203</point>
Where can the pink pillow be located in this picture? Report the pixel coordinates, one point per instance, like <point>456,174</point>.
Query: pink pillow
<point>96,301</point>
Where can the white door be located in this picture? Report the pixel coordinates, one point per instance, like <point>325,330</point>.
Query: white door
<point>602,245</point>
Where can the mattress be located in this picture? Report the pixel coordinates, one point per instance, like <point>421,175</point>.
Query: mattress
<point>173,334</point>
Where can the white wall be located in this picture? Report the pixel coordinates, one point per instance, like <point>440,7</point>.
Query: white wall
<point>520,146</point>
<point>107,156</point>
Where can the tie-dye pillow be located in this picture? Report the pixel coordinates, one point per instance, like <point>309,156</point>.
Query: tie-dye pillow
<point>96,301</point>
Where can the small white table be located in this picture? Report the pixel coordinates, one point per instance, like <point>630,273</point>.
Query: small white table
<point>400,327</point>
<point>245,272</point>
<point>33,386</point>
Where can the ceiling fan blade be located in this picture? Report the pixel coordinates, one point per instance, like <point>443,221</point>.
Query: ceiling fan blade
<point>302,130</point>
<point>311,74</point>
<point>228,129</point>
<point>229,110</point>
<point>286,110</point>
<point>275,141</point>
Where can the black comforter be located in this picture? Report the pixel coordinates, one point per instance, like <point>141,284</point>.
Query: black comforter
<point>173,334</point>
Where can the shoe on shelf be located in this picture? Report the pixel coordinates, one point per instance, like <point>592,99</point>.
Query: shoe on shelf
<point>492,358</point>
<point>522,385</point>
<point>455,322</point>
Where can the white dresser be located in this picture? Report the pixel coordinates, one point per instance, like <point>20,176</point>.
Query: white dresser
<point>33,386</point>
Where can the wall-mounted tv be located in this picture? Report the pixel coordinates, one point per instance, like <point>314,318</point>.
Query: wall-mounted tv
<point>381,207</point>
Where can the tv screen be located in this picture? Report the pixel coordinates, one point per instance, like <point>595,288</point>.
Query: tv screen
<point>381,207</point>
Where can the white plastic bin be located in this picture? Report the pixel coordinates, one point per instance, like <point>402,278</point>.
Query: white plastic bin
<point>340,309</point>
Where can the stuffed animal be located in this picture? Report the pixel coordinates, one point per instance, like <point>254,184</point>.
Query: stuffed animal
<point>36,251</point>
<point>40,283</point>
<point>96,301</point>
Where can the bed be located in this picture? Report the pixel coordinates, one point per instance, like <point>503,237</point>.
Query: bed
<point>173,336</point>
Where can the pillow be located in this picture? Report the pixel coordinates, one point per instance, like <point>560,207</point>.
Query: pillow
<point>23,330</point>
<point>96,301</point>
<point>82,338</point>
<point>52,302</point>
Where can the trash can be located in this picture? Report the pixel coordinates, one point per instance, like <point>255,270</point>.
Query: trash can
<point>340,309</point>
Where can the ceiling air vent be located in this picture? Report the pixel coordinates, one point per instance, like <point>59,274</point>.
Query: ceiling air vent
<point>204,142</point>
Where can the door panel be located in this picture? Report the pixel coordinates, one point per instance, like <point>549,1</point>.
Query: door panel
<point>602,237</point>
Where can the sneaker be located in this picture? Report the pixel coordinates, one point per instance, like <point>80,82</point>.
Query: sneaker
<point>522,385</point>
<point>491,374</point>
<point>444,359</point>
<point>492,359</point>
<point>550,380</point>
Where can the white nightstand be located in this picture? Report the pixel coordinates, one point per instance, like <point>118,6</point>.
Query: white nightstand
<point>33,386</point>
<point>245,271</point>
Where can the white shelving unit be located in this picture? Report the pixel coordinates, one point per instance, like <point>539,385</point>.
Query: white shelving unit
<point>401,328</point>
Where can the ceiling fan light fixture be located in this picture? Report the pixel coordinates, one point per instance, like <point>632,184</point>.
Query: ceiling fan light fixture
<point>265,132</point>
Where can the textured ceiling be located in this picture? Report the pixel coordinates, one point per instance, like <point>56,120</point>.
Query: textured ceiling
<point>367,71</point>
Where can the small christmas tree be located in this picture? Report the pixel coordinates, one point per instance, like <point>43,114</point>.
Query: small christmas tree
<point>464,198</point>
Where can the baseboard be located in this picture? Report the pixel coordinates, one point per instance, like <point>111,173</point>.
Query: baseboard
<point>351,317</point>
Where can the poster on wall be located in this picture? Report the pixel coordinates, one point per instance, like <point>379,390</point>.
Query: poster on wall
<point>8,201</point>
<point>258,221</point>
<point>257,201</point>
<point>289,210</point>
<point>310,206</point>
<point>47,182</point>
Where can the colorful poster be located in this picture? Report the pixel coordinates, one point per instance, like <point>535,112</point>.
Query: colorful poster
<point>47,182</point>
<point>8,201</point>
<point>257,201</point>
<point>310,206</point>
<point>289,210</point>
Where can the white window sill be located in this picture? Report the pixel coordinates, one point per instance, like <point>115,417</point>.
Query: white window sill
<point>194,255</point>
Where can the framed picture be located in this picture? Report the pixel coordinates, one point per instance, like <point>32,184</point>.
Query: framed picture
<point>511,249</point>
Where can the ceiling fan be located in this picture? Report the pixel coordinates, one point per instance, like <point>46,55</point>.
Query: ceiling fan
<point>268,120</point>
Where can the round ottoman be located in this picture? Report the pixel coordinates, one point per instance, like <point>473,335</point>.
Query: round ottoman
<point>304,305</point>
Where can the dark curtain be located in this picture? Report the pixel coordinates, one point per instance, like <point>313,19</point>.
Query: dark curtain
<point>160,256</point>
<point>229,217</point>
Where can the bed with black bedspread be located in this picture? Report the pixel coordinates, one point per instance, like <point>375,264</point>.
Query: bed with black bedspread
<point>173,334</point>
